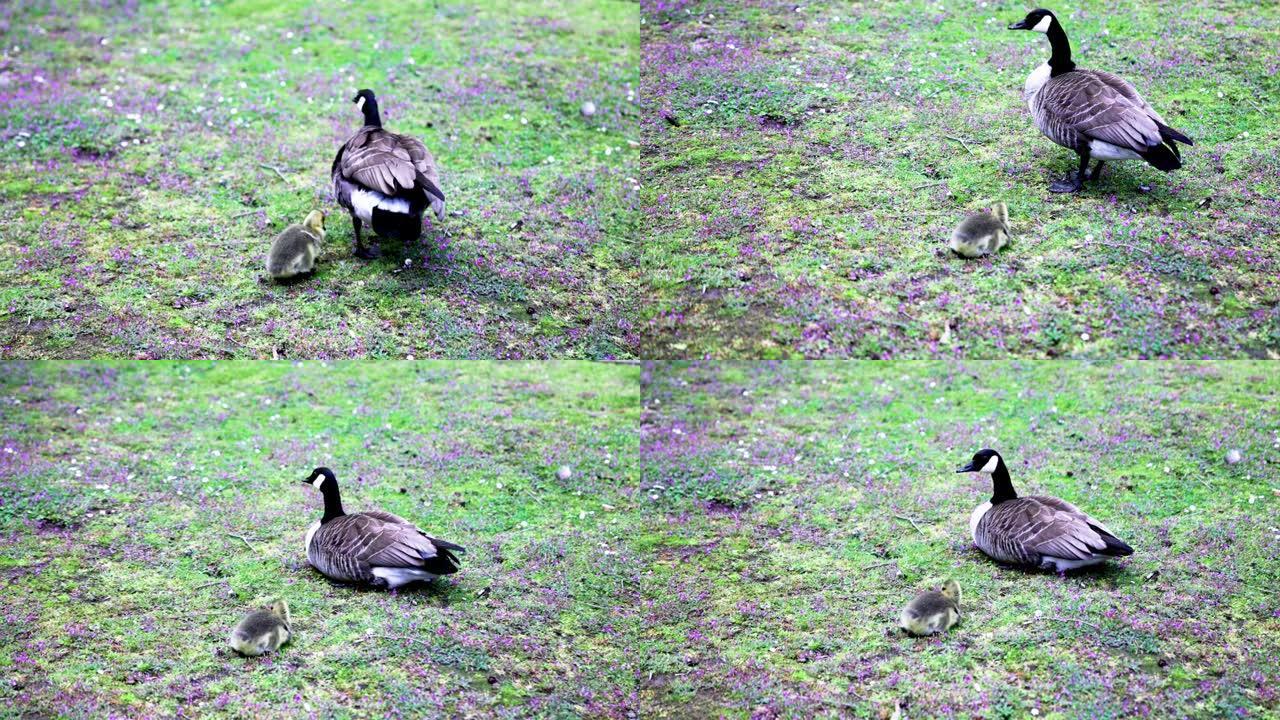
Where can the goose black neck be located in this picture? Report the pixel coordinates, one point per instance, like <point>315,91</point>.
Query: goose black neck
<point>332,501</point>
<point>1002,485</point>
<point>371,116</point>
<point>1060,62</point>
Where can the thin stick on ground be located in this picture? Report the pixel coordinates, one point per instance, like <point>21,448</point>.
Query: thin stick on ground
<point>211,582</point>
<point>244,540</point>
<point>239,215</point>
<point>1121,246</point>
<point>276,169</point>
<point>931,183</point>
<point>913,523</point>
<point>873,566</point>
<point>1062,620</point>
<point>963,144</point>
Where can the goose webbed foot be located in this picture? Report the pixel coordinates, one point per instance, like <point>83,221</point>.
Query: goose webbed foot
<point>366,252</point>
<point>1095,172</point>
<point>1068,184</point>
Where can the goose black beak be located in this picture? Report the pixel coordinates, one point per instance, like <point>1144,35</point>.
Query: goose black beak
<point>1020,25</point>
<point>965,469</point>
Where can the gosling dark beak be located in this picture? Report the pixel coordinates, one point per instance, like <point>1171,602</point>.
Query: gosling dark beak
<point>1020,25</point>
<point>966,468</point>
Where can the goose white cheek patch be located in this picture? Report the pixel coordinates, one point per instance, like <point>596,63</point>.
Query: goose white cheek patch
<point>360,102</point>
<point>1043,25</point>
<point>319,481</point>
<point>990,467</point>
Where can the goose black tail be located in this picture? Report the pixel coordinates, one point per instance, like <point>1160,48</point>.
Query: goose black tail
<point>445,561</point>
<point>1168,134</point>
<point>1115,546</point>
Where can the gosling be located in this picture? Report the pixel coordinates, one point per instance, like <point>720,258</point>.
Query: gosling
<point>932,611</point>
<point>981,234</point>
<point>295,250</point>
<point>262,631</point>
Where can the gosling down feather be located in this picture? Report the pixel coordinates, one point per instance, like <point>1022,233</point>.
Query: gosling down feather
<point>932,611</point>
<point>1036,531</point>
<point>1094,113</point>
<point>385,180</point>
<point>373,547</point>
<point>296,248</point>
<point>981,234</point>
<point>262,631</point>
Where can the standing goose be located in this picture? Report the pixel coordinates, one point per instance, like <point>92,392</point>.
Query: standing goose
<point>1094,113</point>
<point>374,547</point>
<point>385,180</point>
<point>1037,531</point>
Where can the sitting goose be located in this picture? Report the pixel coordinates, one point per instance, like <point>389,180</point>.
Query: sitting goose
<point>1095,113</point>
<point>1043,532</point>
<point>373,547</point>
<point>385,179</point>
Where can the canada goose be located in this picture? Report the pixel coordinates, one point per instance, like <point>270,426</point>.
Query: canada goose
<point>296,248</point>
<point>1094,113</point>
<point>262,631</point>
<point>1039,531</point>
<point>374,547</point>
<point>385,180</point>
<point>932,611</point>
<point>981,234</point>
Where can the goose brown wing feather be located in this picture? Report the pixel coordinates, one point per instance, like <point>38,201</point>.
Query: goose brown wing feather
<point>375,159</point>
<point>1104,107</point>
<point>1059,529</point>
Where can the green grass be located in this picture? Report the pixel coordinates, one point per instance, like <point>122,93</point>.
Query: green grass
<point>786,496</point>
<point>125,487</point>
<point>825,152</point>
<point>139,151</point>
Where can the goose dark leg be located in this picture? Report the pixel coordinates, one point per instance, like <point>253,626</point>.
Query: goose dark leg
<point>1073,183</point>
<point>361,251</point>
<point>1097,171</point>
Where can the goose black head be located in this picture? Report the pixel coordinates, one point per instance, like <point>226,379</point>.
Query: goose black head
<point>989,463</point>
<point>323,479</point>
<point>368,105</point>
<point>1038,20</point>
<point>984,461</point>
<point>319,477</point>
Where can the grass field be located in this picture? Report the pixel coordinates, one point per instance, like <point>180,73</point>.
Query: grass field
<point>123,488</point>
<point>804,163</point>
<point>782,562</point>
<point>149,153</point>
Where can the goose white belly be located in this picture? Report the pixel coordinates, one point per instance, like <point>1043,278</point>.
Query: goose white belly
<point>311,532</point>
<point>1063,565</point>
<point>1100,150</point>
<point>974,518</point>
<point>1035,81</point>
<point>364,201</point>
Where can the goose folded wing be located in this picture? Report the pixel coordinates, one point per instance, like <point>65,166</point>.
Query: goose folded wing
<point>1102,112</point>
<point>401,546</point>
<point>1061,532</point>
<point>379,165</point>
<point>425,164</point>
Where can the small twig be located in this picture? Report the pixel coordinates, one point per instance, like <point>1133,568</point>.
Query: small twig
<point>276,169</point>
<point>205,585</point>
<point>1120,246</point>
<point>1066,620</point>
<point>245,540</point>
<point>913,523</point>
<point>1256,106</point>
<point>963,144</point>
<point>931,183</point>
<point>873,566</point>
<point>246,212</point>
